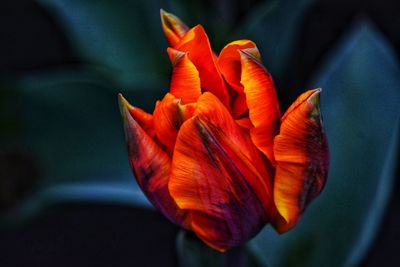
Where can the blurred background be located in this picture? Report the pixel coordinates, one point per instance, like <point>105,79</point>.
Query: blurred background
<point>67,195</point>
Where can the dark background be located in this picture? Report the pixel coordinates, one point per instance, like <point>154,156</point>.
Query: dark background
<point>95,234</point>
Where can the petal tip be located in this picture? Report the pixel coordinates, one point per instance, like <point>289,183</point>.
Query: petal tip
<point>123,104</point>
<point>163,14</point>
<point>314,102</point>
<point>315,96</point>
<point>175,55</point>
<point>174,28</point>
<point>243,53</point>
<point>167,18</point>
<point>251,53</point>
<point>124,107</point>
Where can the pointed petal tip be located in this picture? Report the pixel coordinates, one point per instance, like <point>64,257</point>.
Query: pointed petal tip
<point>243,53</point>
<point>163,14</point>
<point>315,95</point>
<point>121,98</point>
<point>124,107</point>
<point>175,55</point>
<point>250,53</point>
<point>314,101</point>
<point>174,28</point>
<point>123,104</point>
<point>314,98</point>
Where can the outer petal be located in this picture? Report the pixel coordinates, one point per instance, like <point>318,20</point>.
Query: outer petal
<point>262,102</point>
<point>174,28</point>
<point>144,119</point>
<point>220,177</point>
<point>196,43</point>
<point>185,82</point>
<point>301,154</point>
<point>151,167</point>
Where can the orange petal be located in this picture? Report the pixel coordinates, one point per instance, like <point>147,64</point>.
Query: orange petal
<point>167,121</point>
<point>168,117</point>
<point>174,28</point>
<point>185,82</point>
<point>151,166</point>
<point>238,104</point>
<point>244,123</point>
<point>262,102</point>
<point>229,63</point>
<point>301,154</point>
<point>144,119</point>
<point>219,175</point>
<point>196,43</point>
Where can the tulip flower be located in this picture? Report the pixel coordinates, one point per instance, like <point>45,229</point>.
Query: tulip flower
<point>216,157</point>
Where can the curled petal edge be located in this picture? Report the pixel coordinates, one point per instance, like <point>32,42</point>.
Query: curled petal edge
<point>301,154</point>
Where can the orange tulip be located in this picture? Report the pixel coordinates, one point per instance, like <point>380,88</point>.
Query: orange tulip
<point>216,157</point>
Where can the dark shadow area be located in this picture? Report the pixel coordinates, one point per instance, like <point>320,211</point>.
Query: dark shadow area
<point>324,25</point>
<point>384,251</point>
<point>82,234</point>
<point>30,39</point>
<point>19,176</point>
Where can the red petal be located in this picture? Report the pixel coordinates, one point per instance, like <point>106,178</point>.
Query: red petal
<point>229,65</point>
<point>262,102</point>
<point>185,82</point>
<point>174,28</point>
<point>220,176</point>
<point>245,123</point>
<point>301,154</point>
<point>168,117</point>
<point>196,43</point>
<point>144,119</point>
<point>151,167</point>
<point>167,121</point>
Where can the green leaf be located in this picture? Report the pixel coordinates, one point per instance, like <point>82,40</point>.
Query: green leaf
<point>124,38</point>
<point>360,103</point>
<point>70,121</point>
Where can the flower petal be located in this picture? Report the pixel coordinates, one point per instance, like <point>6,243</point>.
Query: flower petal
<point>144,119</point>
<point>168,117</point>
<point>262,102</point>
<point>301,154</point>
<point>151,167</point>
<point>220,176</point>
<point>174,28</point>
<point>229,64</point>
<point>185,82</point>
<point>196,43</point>
<point>167,121</point>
